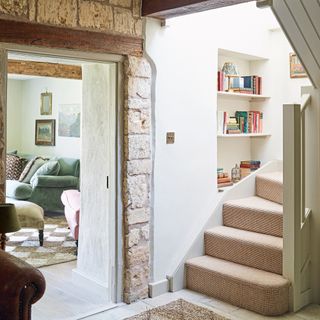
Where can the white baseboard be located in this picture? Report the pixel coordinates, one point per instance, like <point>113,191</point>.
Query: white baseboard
<point>93,285</point>
<point>158,288</point>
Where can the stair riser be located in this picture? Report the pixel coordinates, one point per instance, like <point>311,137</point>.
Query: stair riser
<point>253,220</point>
<point>245,253</point>
<point>269,190</point>
<point>266,301</point>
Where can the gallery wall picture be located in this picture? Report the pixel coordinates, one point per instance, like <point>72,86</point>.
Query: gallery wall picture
<point>69,120</point>
<point>45,132</point>
<point>46,104</point>
<point>296,68</point>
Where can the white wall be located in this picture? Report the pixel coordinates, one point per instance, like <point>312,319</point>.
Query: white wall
<point>14,116</point>
<point>64,91</point>
<point>185,55</point>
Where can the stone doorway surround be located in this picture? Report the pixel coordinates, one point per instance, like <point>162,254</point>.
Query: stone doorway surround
<point>136,171</point>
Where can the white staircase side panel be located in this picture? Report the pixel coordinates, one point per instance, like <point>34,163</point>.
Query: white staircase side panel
<point>244,188</point>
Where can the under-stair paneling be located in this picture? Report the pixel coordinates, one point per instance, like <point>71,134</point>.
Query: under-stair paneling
<point>95,256</point>
<point>300,21</point>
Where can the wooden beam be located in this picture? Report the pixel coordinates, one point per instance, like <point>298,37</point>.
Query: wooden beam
<point>34,34</point>
<point>164,9</point>
<point>44,69</point>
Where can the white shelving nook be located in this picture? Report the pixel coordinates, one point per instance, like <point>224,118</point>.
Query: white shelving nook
<point>233,148</point>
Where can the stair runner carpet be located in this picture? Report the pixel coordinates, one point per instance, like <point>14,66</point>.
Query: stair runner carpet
<point>242,264</point>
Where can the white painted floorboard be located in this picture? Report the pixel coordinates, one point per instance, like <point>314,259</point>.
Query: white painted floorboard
<point>64,300</point>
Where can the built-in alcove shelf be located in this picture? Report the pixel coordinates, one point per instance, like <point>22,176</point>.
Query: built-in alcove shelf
<point>244,135</point>
<point>235,95</point>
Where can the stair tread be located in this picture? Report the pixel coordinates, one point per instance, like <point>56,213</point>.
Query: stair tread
<point>257,203</point>
<point>247,236</point>
<point>238,272</point>
<point>276,176</point>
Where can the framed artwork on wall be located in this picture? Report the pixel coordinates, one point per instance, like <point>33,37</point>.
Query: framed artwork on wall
<point>45,133</point>
<point>296,68</point>
<point>69,120</point>
<point>46,104</point>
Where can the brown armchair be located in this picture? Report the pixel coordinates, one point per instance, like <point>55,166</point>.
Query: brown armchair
<point>20,286</point>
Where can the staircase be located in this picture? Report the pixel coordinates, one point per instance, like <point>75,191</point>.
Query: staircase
<point>242,264</point>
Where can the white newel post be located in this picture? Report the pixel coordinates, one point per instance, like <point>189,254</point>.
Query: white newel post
<point>292,199</point>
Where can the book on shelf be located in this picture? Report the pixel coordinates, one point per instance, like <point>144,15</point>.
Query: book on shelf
<point>241,122</point>
<point>241,84</point>
<point>248,166</point>
<point>223,179</point>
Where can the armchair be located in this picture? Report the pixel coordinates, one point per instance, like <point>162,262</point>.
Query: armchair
<point>21,286</point>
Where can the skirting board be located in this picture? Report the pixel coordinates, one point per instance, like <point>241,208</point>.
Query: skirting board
<point>158,288</point>
<point>93,285</point>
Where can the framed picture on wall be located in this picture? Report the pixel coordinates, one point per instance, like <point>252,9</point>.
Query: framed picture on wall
<point>296,68</point>
<point>46,104</point>
<point>45,133</point>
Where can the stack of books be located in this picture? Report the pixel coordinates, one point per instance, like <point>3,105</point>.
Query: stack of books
<point>241,122</point>
<point>241,84</point>
<point>223,178</point>
<point>248,166</point>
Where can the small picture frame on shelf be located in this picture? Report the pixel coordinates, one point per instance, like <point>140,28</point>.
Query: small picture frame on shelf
<point>45,134</point>
<point>46,104</point>
<point>296,68</point>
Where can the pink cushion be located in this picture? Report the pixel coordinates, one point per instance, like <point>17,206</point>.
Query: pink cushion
<point>71,201</point>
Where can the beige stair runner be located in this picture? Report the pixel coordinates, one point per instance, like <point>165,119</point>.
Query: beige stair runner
<point>243,258</point>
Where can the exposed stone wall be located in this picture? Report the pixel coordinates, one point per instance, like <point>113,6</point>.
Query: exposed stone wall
<point>3,88</point>
<point>110,16</point>
<point>137,177</point>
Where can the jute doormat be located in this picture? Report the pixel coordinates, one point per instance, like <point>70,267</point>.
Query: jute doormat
<point>179,310</point>
<point>58,245</point>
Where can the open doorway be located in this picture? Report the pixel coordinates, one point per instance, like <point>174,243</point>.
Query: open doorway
<point>58,125</point>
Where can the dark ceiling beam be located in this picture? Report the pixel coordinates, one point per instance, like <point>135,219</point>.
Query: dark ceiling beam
<point>163,9</point>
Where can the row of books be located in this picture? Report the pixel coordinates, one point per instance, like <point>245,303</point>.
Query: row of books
<point>223,179</point>
<point>240,122</point>
<point>248,166</point>
<point>241,84</point>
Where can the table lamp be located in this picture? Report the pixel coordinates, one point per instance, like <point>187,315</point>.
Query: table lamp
<point>8,221</point>
<point>230,70</point>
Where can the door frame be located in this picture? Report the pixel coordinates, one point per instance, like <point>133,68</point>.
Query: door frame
<point>116,196</point>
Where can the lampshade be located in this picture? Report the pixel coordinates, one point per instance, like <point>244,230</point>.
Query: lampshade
<point>8,218</point>
<point>230,69</point>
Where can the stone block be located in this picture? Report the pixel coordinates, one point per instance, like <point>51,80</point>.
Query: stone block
<point>137,216</point>
<point>122,3</point>
<point>133,237</point>
<point>138,67</point>
<point>138,88</point>
<point>137,256</point>
<point>138,103</point>
<point>136,8</point>
<point>95,15</point>
<point>139,121</point>
<point>58,12</point>
<point>32,10</point>
<point>138,28</point>
<point>138,147</point>
<point>135,167</point>
<point>14,8</point>
<point>137,192</point>
<point>124,21</point>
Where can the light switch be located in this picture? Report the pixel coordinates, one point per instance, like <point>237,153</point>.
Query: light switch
<point>170,137</point>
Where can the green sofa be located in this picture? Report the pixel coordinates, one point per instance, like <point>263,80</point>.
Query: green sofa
<point>46,190</point>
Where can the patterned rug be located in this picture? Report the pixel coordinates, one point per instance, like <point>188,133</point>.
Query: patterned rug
<point>178,310</point>
<point>58,245</point>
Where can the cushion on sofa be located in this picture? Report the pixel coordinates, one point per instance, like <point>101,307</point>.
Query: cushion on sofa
<point>18,190</point>
<point>49,168</point>
<point>15,167</point>
<point>68,166</point>
<point>31,169</point>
